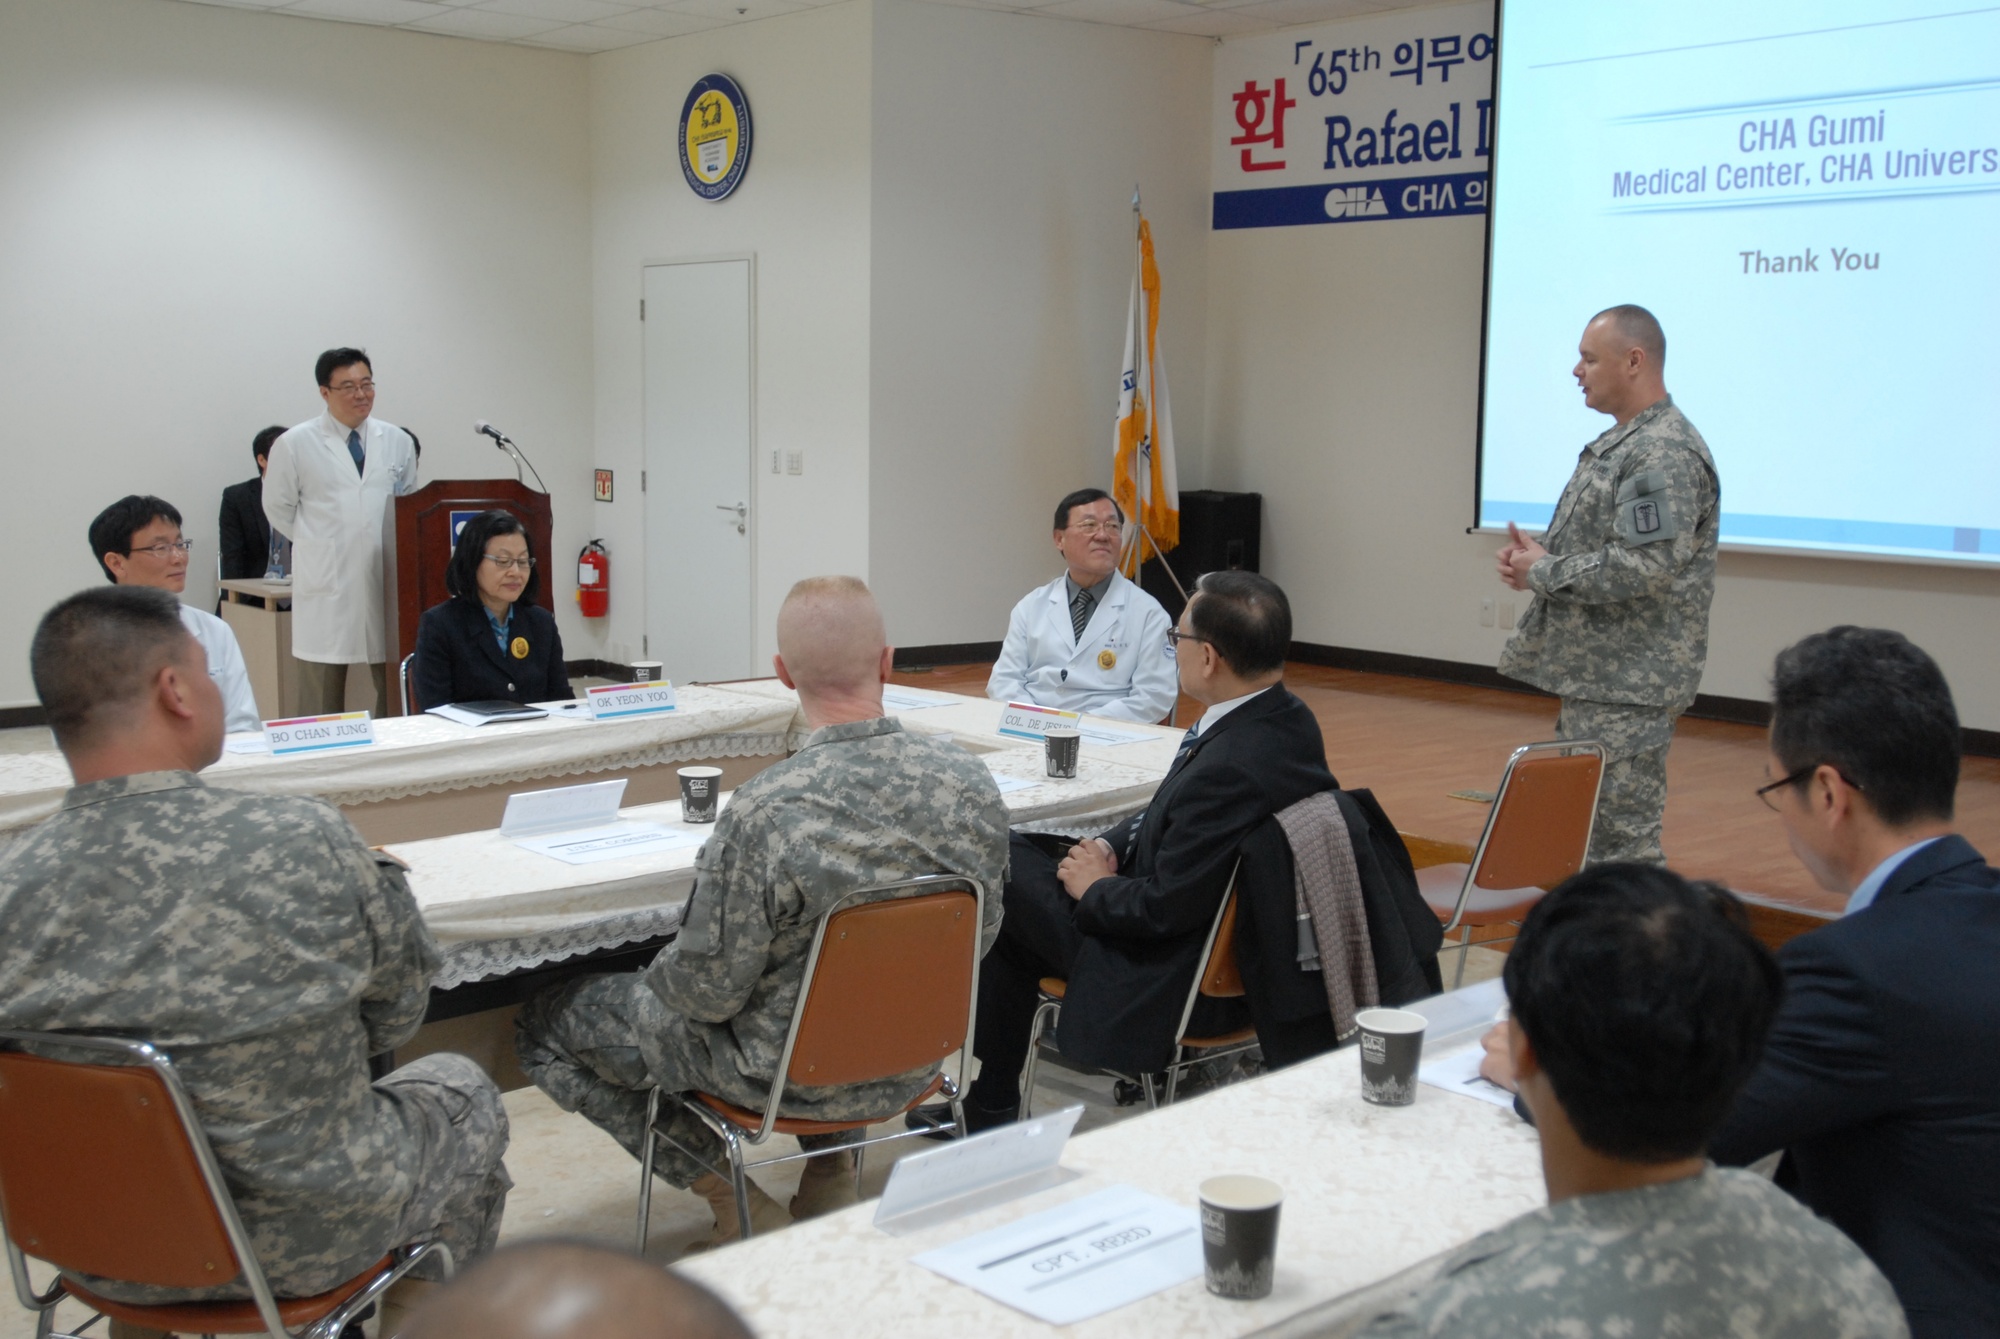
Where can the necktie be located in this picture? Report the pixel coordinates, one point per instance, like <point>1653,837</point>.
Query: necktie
<point>1079,613</point>
<point>1187,743</point>
<point>354,448</point>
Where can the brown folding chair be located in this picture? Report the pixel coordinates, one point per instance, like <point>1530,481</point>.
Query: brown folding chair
<point>105,1171</point>
<point>1537,834</point>
<point>890,985</point>
<point>1218,979</point>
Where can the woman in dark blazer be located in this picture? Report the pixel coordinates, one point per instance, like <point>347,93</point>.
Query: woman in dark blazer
<point>490,641</point>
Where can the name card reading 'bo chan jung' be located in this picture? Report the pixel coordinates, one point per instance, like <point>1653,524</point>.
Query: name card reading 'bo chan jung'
<point>612,700</point>
<point>1024,720</point>
<point>308,734</point>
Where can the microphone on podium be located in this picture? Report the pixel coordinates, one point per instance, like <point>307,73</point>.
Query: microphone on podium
<point>506,443</point>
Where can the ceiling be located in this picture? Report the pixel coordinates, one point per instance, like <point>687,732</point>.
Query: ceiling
<point>604,25</point>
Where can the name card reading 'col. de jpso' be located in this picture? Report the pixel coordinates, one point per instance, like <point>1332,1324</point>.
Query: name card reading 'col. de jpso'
<point>311,734</point>
<point>1024,720</point>
<point>613,700</point>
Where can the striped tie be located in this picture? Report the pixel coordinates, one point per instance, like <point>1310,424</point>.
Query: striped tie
<point>1079,613</point>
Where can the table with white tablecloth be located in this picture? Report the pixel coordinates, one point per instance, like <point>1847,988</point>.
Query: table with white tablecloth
<point>1373,1196</point>
<point>415,757</point>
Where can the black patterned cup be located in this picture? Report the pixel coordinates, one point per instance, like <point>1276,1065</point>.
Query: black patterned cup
<point>1239,1234</point>
<point>700,789</point>
<point>1392,1046</point>
<point>1061,747</point>
<point>647,671</point>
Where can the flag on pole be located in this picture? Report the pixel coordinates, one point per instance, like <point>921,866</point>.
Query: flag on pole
<point>1142,462</point>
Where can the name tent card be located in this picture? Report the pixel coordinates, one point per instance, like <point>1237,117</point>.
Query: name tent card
<point>973,1173</point>
<point>531,812</point>
<point>312,734</point>
<point>613,700</point>
<point>1024,720</point>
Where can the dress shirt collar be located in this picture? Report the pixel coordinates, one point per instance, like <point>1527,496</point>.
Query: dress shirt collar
<point>137,783</point>
<point>499,625</point>
<point>1221,709</point>
<point>1865,893</point>
<point>338,431</point>
<point>1097,592</point>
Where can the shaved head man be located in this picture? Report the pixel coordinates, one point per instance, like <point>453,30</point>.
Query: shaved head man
<point>861,804</point>
<point>572,1290</point>
<point>1622,580</point>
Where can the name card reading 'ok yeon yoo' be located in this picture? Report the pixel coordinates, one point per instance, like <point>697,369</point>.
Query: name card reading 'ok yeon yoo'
<point>613,700</point>
<point>1024,720</point>
<point>309,734</point>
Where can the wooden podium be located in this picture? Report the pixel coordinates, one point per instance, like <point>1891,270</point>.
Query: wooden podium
<point>422,529</point>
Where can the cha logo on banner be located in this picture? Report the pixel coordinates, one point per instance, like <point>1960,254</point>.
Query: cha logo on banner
<point>715,137</point>
<point>1387,117</point>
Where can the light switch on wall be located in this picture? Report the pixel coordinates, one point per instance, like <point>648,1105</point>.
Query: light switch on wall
<point>795,462</point>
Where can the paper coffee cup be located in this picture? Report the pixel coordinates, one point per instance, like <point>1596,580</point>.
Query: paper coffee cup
<point>701,787</point>
<point>1392,1046</point>
<point>1060,747</point>
<point>647,671</point>
<point>1239,1234</point>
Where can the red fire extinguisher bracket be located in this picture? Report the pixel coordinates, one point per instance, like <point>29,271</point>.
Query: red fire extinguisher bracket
<point>593,580</point>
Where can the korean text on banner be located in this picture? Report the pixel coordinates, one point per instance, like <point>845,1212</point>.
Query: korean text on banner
<point>1142,459</point>
<point>1380,118</point>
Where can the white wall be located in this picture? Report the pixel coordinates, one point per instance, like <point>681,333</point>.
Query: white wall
<point>1343,364</point>
<point>803,211</point>
<point>1006,148</point>
<point>196,201</point>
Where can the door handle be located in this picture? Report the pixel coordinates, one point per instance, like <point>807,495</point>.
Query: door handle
<point>742,510</point>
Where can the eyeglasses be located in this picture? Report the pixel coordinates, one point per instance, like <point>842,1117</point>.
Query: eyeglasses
<point>165,549</point>
<point>1175,637</point>
<point>353,388</point>
<point>1764,791</point>
<point>523,564</point>
<point>1095,527</point>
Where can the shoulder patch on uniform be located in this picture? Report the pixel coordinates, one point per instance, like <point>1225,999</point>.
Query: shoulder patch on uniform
<point>1645,509</point>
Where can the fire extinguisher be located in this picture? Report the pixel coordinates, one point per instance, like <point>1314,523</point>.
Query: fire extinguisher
<point>593,580</point>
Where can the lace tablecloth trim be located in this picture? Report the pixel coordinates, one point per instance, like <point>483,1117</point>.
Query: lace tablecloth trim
<point>482,959</point>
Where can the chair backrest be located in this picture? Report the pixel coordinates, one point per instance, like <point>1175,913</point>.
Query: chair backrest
<point>99,1173</point>
<point>890,983</point>
<point>1539,831</point>
<point>1220,978</point>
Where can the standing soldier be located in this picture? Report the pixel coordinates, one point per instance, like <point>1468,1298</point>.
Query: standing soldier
<point>1618,628</point>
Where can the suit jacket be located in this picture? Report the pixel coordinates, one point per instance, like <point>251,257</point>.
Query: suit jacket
<point>458,660</point>
<point>1403,932</point>
<point>1144,926</point>
<point>1881,1080</point>
<point>244,531</point>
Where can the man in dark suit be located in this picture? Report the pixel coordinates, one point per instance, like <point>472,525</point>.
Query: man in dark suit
<point>245,531</point>
<point>1123,916</point>
<point>1881,1079</point>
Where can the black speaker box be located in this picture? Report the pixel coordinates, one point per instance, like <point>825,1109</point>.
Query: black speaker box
<point>1219,532</point>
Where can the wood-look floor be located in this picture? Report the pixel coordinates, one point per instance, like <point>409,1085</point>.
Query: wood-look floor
<point>1414,741</point>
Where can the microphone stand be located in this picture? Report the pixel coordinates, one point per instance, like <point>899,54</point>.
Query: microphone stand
<point>506,443</point>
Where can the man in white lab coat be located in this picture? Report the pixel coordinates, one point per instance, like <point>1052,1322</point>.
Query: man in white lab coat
<point>1090,640</point>
<point>137,541</point>
<point>328,486</point>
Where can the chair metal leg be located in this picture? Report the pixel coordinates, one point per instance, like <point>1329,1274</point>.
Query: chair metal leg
<point>646,1171</point>
<point>958,1115</point>
<point>1174,1074</point>
<point>1464,951</point>
<point>1152,1092</point>
<point>1045,1011</point>
<point>738,1180</point>
<point>860,1164</point>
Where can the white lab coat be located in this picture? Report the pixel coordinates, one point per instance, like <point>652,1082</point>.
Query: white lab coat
<point>225,666</point>
<point>1121,667</point>
<point>338,522</point>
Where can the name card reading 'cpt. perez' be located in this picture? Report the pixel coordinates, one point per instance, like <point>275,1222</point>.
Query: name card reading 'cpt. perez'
<point>1024,720</point>
<point>613,700</point>
<point>308,734</point>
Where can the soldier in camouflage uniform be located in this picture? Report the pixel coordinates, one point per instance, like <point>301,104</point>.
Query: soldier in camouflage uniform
<point>863,802</point>
<point>1628,1062</point>
<point>1618,626</point>
<point>259,943</point>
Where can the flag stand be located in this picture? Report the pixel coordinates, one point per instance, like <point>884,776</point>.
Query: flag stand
<point>1140,538</point>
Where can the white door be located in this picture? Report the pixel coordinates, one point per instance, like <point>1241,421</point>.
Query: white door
<point>698,519</point>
